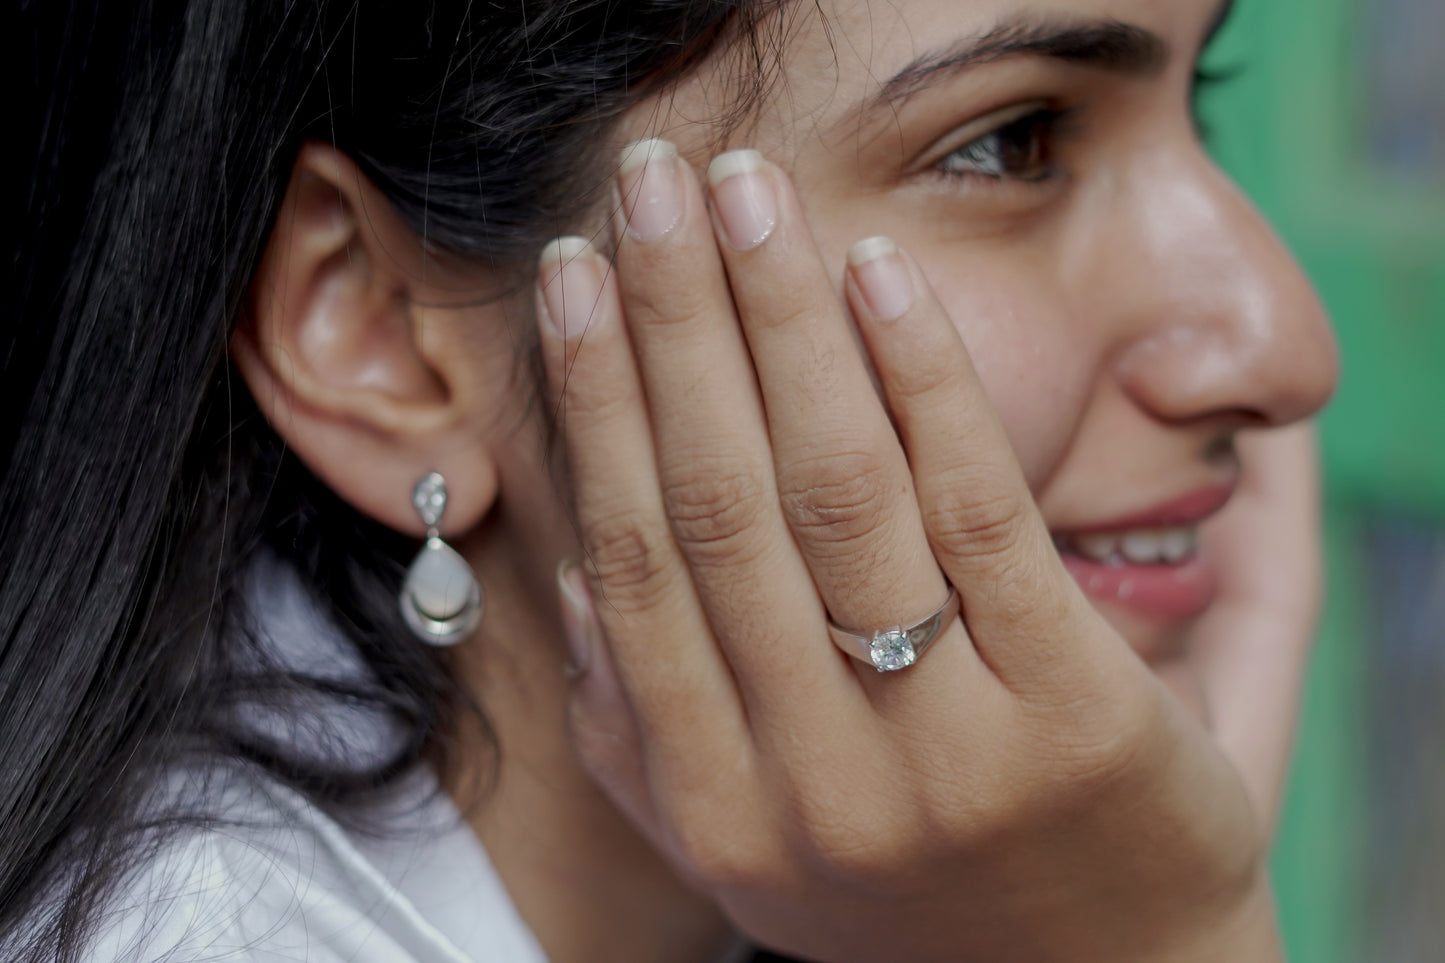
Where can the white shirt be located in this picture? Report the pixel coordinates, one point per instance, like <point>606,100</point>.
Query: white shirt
<point>270,878</point>
<point>275,880</point>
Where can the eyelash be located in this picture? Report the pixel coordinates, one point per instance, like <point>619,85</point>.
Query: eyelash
<point>1016,151</point>
<point>1207,80</point>
<point>1040,132</point>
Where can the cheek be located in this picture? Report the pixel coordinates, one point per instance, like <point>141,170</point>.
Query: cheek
<point>1030,358</point>
<point>1032,352</point>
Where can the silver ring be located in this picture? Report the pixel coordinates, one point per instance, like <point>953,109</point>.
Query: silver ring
<point>889,650</point>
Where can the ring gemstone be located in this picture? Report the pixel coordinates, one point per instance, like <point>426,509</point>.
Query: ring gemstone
<point>892,650</point>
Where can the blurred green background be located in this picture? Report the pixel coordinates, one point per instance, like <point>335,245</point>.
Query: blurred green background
<point>1335,125</point>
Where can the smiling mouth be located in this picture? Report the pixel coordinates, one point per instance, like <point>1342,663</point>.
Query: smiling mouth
<point>1138,546</point>
<point>1149,563</point>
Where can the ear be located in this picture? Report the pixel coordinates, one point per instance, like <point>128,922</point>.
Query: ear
<point>349,357</point>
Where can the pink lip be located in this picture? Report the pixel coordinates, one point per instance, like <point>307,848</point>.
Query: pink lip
<point>1165,592</point>
<point>1173,593</point>
<point>1190,509</point>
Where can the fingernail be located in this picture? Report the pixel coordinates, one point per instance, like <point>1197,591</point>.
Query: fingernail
<point>882,277</point>
<point>651,192</point>
<point>579,616</point>
<point>570,275</point>
<point>743,193</point>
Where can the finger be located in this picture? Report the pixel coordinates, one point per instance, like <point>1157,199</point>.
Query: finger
<point>1251,648</point>
<point>843,482</point>
<point>1024,614</point>
<point>665,658</point>
<point>712,445</point>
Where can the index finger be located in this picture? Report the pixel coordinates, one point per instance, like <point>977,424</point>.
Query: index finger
<point>981,520</point>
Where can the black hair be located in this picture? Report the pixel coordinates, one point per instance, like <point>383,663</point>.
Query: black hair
<point>138,483</point>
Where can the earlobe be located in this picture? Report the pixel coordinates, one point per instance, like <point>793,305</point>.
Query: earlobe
<point>333,348</point>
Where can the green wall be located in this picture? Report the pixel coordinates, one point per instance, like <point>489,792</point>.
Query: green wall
<point>1290,127</point>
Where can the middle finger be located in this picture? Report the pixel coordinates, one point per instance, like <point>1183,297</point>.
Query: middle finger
<point>711,440</point>
<point>844,483</point>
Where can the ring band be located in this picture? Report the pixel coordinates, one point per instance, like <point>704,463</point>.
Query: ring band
<point>889,650</point>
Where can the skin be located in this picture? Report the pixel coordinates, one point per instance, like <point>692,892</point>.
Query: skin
<point>1102,339</point>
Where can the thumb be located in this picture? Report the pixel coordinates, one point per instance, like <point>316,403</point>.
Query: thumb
<point>1251,649</point>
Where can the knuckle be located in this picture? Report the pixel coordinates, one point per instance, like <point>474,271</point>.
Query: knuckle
<point>1113,742</point>
<point>867,855</point>
<point>714,512</point>
<point>966,525</point>
<point>929,377</point>
<point>632,558</point>
<point>727,850</point>
<point>838,498</point>
<point>867,840</point>
<point>1094,745</point>
<point>672,298</point>
<point>974,525</point>
<point>787,308</point>
<point>600,393</point>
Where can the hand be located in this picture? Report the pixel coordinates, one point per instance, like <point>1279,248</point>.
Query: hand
<point>1249,650</point>
<point>1028,790</point>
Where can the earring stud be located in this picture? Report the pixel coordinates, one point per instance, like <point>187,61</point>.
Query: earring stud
<point>441,601</point>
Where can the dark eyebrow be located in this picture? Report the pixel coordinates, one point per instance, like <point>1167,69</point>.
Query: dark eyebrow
<point>1106,44</point>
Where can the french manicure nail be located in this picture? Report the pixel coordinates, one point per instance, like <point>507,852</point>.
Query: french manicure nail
<point>651,192</point>
<point>743,193</point>
<point>882,277</point>
<point>571,282</point>
<point>579,616</point>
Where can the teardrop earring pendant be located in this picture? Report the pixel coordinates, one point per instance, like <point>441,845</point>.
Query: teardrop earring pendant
<point>440,599</point>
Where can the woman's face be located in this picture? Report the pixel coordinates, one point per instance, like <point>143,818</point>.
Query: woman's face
<point>1127,309</point>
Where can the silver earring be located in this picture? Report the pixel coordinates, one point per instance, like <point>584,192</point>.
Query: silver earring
<point>440,599</point>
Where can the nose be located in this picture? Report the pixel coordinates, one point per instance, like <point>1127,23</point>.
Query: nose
<point>1221,320</point>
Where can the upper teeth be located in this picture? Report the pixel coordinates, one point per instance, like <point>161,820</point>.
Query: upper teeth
<point>1142,546</point>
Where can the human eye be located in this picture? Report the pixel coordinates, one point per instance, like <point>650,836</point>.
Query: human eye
<point>1016,144</point>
